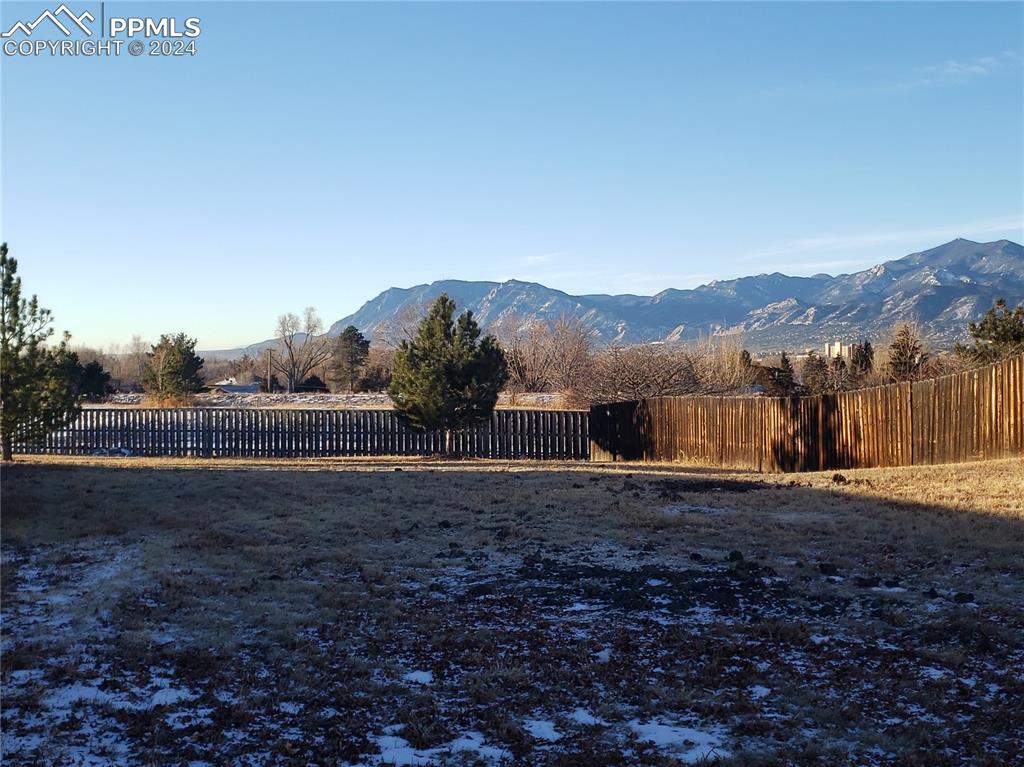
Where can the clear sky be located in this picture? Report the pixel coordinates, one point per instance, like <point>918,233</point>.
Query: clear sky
<point>318,153</point>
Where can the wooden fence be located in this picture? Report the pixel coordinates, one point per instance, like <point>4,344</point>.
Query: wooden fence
<point>968,416</point>
<point>249,432</point>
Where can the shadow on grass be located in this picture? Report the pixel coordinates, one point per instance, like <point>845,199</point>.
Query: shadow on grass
<point>71,492</point>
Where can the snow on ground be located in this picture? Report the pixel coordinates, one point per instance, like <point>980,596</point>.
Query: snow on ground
<point>97,707</point>
<point>688,744</point>
<point>542,729</point>
<point>219,643</point>
<point>360,401</point>
<point>419,677</point>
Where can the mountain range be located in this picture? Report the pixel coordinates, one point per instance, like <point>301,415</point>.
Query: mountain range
<point>942,289</point>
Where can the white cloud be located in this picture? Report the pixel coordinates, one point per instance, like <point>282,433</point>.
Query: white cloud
<point>959,71</point>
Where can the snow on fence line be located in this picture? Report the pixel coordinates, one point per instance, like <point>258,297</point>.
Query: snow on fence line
<point>278,433</point>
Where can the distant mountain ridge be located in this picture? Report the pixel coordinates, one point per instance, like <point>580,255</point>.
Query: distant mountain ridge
<point>942,288</point>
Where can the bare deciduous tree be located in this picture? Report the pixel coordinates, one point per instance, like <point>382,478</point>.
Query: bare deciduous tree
<point>136,359</point>
<point>656,370</point>
<point>572,344</point>
<point>401,327</point>
<point>545,356</point>
<point>301,347</point>
<point>720,366</point>
<point>637,372</point>
<point>527,349</point>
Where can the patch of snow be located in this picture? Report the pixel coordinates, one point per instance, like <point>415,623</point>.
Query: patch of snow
<point>689,745</point>
<point>67,696</point>
<point>419,677</point>
<point>579,607</point>
<point>24,675</point>
<point>758,691</point>
<point>397,751</point>
<point>474,741</point>
<point>584,717</point>
<point>170,695</point>
<point>542,729</point>
<point>179,720</point>
<point>702,614</point>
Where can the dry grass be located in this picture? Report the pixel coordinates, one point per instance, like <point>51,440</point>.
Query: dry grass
<point>880,608</point>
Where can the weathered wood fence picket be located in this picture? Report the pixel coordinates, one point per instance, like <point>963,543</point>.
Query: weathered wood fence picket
<point>264,433</point>
<point>968,416</point>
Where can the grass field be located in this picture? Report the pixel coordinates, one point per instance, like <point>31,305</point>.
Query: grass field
<point>428,612</point>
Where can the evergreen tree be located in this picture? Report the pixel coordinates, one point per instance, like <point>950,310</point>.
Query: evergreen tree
<point>350,352</point>
<point>93,380</point>
<point>312,384</point>
<point>785,378</point>
<point>38,384</point>
<point>745,360</point>
<point>907,357</point>
<point>999,335</point>
<point>172,368</point>
<point>447,376</point>
<point>815,374</point>
<point>862,359</point>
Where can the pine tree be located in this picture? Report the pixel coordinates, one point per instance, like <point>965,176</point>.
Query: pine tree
<point>862,359</point>
<point>447,376</point>
<point>93,380</point>
<point>38,384</point>
<point>999,335</point>
<point>785,378</point>
<point>351,350</point>
<point>907,357</point>
<point>172,368</point>
<point>815,374</point>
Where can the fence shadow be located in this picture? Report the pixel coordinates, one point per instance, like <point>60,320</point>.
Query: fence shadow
<point>81,492</point>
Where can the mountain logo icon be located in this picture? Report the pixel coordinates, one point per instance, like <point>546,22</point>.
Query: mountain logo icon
<point>55,16</point>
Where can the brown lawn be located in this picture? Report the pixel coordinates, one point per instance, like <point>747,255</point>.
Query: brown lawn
<point>160,611</point>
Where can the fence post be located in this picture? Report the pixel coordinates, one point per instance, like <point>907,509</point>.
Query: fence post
<point>207,425</point>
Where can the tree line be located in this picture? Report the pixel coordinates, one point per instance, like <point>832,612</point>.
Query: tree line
<point>446,373</point>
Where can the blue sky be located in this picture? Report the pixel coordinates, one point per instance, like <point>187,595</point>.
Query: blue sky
<point>318,153</point>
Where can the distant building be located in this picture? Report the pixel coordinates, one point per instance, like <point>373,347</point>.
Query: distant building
<point>837,349</point>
